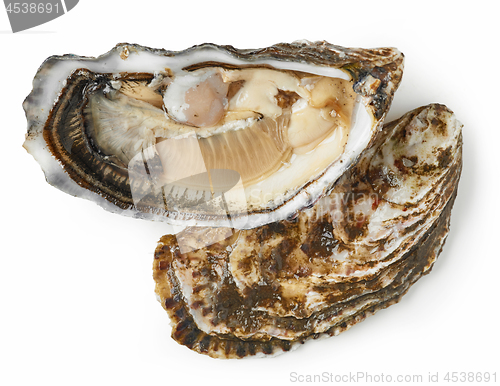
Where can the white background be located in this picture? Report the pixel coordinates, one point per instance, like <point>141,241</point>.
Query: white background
<point>77,303</point>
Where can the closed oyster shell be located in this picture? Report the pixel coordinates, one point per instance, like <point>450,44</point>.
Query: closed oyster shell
<point>356,251</point>
<point>119,130</point>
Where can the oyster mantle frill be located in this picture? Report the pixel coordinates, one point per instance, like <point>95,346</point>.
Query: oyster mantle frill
<point>210,135</point>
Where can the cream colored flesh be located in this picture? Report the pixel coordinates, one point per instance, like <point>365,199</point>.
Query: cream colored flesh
<point>277,129</point>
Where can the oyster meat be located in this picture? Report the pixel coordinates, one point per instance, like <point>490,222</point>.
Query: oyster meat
<point>302,213</point>
<point>211,135</point>
<point>356,251</point>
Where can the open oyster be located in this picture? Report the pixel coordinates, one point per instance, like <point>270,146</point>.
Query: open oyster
<point>304,213</point>
<point>356,251</point>
<point>210,135</point>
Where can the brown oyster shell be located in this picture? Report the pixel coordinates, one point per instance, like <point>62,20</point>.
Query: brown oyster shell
<point>233,299</point>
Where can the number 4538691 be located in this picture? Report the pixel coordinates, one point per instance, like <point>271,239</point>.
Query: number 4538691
<point>32,7</point>
<point>472,377</point>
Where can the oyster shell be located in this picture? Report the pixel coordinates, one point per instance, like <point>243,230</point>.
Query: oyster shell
<point>304,214</point>
<point>356,251</point>
<point>211,135</point>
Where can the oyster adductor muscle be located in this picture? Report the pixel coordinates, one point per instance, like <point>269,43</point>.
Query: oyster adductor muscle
<point>356,251</point>
<point>212,135</point>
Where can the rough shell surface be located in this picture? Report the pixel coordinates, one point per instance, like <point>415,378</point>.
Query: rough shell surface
<point>358,250</point>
